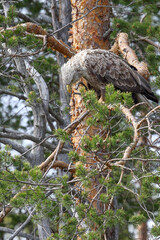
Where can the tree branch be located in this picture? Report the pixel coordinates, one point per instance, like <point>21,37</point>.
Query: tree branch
<point>41,84</point>
<point>52,42</point>
<point>136,129</point>
<point>56,116</point>
<point>26,18</point>
<point>19,148</point>
<point>20,96</point>
<point>122,45</point>
<point>11,134</point>
<point>146,39</point>
<point>60,145</point>
<point>46,163</point>
<point>18,230</point>
<point>25,235</point>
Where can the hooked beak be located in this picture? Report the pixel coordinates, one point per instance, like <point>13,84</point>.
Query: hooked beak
<point>68,88</point>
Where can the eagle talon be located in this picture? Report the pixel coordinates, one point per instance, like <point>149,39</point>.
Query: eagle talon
<point>76,93</point>
<point>101,100</point>
<point>80,83</point>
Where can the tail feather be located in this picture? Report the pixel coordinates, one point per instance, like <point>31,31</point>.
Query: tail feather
<point>151,97</point>
<point>146,89</point>
<point>141,98</point>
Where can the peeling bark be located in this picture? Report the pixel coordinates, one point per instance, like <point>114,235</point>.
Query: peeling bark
<point>121,45</point>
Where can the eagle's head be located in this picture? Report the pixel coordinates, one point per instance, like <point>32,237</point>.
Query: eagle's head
<point>67,76</point>
<point>71,72</point>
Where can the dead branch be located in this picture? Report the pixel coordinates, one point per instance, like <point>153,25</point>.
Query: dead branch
<point>20,96</point>
<point>51,42</point>
<point>19,229</point>
<point>45,164</point>
<point>130,148</point>
<point>63,165</point>
<point>21,234</point>
<point>146,39</point>
<point>136,127</point>
<point>68,130</point>
<point>121,45</point>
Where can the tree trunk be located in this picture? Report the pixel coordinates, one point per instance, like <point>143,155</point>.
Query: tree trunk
<point>44,230</point>
<point>142,231</point>
<point>87,33</point>
<point>61,16</point>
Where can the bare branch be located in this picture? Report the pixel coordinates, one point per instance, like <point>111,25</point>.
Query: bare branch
<point>56,116</point>
<point>41,84</point>
<point>20,96</point>
<point>136,126</point>
<point>11,134</point>
<point>26,18</point>
<point>146,39</point>
<point>122,45</point>
<point>19,148</point>
<point>25,235</point>
<point>18,230</point>
<point>69,130</point>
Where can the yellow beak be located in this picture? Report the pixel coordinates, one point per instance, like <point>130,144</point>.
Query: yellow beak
<point>68,88</point>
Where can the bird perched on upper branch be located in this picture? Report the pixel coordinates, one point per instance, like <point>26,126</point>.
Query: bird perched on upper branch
<point>100,67</point>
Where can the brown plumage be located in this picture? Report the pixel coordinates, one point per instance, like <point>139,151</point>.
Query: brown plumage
<point>100,67</point>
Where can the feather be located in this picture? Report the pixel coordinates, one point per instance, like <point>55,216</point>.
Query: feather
<point>100,67</point>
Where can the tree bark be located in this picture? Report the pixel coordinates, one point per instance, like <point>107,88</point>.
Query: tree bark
<point>142,231</point>
<point>93,21</point>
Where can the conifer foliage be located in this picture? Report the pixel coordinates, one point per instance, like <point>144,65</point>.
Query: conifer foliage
<point>45,183</point>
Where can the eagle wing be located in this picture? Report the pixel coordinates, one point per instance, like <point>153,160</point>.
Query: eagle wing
<point>109,68</point>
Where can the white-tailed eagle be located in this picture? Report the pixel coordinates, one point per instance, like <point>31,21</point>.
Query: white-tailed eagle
<point>100,67</point>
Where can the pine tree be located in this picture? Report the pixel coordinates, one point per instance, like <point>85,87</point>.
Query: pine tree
<point>108,180</point>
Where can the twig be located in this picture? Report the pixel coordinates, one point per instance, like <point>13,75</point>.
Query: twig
<point>146,39</point>
<point>129,190</point>
<point>23,225</point>
<point>138,104</point>
<point>68,129</point>
<point>132,159</point>
<point>58,148</point>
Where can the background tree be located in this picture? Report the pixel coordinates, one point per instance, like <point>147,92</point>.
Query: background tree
<point>33,106</point>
